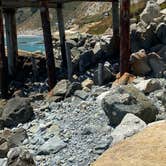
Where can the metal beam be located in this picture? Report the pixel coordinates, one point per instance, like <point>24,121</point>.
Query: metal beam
<point>124,36</point>
<point>11,38</point>
<point>61,34</point>
<point>3,60</point>
<point>50,64</point>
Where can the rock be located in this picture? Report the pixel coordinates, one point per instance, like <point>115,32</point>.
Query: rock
<point>162,53</point>
<point>151,11</point>
<point>151,141</point>
<point>127,99</point>
<point>9,139</point>
<point>53,145</point>
<point>73,87</point>
<point>106,74</point>
<point>87,83</point>
<point>129,126</point>
<point>148,86</point>
<point>71,43</point>
<point>20,157</point>
<point>161,32</point>
<point>125,79</point>
<point>86,60</point>
<point>3,161</point>
<point>60,88</point>
<point>139,63</point>
<point>81,94</point>
<point>17,110</point>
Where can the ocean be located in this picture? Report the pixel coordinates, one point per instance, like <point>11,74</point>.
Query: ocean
<point>31,43</point>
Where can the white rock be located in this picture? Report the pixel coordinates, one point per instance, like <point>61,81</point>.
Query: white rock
<point>129,126</point>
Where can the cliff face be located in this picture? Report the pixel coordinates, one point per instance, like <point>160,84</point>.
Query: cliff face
<point>91,17</point>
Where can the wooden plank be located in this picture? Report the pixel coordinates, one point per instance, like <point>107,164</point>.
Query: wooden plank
<point>50,64</point>
<point>36,3</point>
<point>125,36</point>
<point>11,37</point>
<point>61,29</point>
<point>115,26</point>
<point>3,60</point>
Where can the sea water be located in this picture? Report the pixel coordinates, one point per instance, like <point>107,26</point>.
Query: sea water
<point>31,43</point>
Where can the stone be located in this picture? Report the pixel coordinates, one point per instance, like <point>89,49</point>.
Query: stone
<point>3,161</point>
<point>20,157</point>
<point>53,145</point>
<point>17,110</point>
<point>139,63</point>
<point>72,88</point>
<point>129,126</point>
<point>151,11</point>
<point>161,32</point>
<point>71,43</point>
<point>128,99</point>
<point>86,60</point>
<point>152,143</point>
<point>162,53</point>
<point>87,83</point>
<point>81,94</point>
<point>156,64</point>
<point>60,88</point>
<point>106,74</point>
<point>125,79</point>
<point>148,86</point>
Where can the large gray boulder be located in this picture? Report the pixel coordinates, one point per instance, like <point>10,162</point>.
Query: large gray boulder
<point>127,99</point>
<point>17,110</point>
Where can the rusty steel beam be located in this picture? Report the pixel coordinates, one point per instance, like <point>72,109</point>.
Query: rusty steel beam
<point>11,38</point>
<point>50,63</point>
<point>3,60</point>
<point>124,36</point>
<point>115,26</point>
<point>61,28</point>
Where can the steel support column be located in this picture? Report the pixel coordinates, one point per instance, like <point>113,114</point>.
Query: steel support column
<point>115,25</point>
<point>3,60</point>
<point>11,38</point>
<point>124,36</point>
<point>50,64</point>
<point>61,33</point>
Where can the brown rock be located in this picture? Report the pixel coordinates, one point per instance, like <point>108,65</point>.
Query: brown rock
<point>123,80</point>
<point>87,83</point>
<point>146,148</point>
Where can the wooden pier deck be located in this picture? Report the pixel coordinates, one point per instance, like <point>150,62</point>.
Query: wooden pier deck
<point>121,40</point>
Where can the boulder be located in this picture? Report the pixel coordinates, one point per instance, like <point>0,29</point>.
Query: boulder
<point>88,83</point>
<point>161,32</point>
<point>129,126</point>
<point>148,86</point>
<point>151,11</point>
<point>139,63</point>
<point>128,99</point>
<point>162,53</point>
<point>60,88</point>
<point>145,148</point>
<point>17,110</point>
<point>20,157</point>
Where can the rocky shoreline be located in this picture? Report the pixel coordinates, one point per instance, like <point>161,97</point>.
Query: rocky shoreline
<point>78,120</point>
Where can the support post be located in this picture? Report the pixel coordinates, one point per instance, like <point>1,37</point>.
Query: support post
<point>11,38</point>
<point>50,63</point>
<point>3,60</point>
<point>124,36</point>
<point>115,25</point>
<point>61,34</point>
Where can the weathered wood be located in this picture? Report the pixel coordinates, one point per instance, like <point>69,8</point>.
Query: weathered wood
<point>115,26</point>
<point>69,62</point>
<point>36,3</point>
<point>11,38</point>
<point>61,34</point>
<point>3,60</point>
<point>50,64</point>
<point>125,36</point>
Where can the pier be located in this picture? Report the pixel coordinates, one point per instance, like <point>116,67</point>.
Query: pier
<point>121,39</point>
